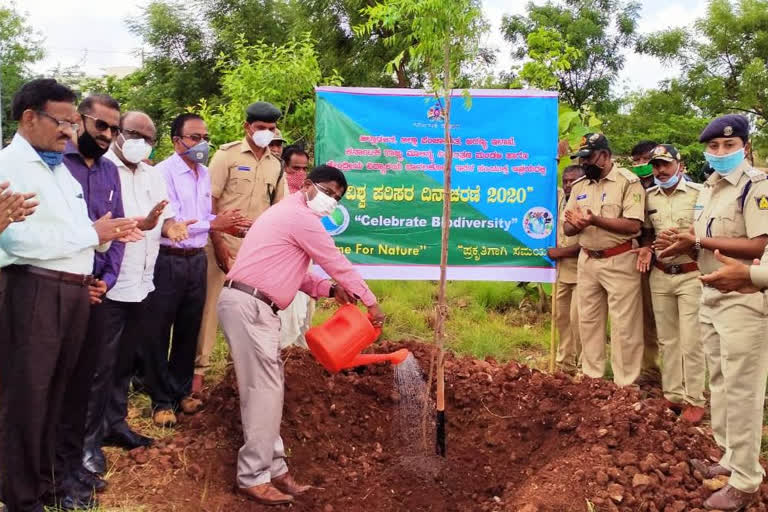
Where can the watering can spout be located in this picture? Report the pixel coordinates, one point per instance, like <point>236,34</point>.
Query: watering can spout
<point>395,358</point>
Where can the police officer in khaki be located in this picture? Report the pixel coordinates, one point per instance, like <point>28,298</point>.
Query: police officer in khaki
<point>675,286</point>
<point>606,211</point>
<point>650,374</point>
<point>566,255</point>
<point>731,216</point>
<point>245,175</point>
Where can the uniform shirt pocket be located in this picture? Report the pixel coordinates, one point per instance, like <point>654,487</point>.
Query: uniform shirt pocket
<point>728,222</point>
<point>241,182</point>
<point>610,210</point>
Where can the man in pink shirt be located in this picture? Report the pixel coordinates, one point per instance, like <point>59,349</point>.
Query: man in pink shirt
<point>270,268</point>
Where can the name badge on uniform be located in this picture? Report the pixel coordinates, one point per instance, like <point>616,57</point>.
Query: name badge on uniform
<point>580,197</point>
<point>243,168</point>
<point>698,207</point>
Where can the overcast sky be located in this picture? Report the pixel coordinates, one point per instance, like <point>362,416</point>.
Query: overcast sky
<point>93,34</point>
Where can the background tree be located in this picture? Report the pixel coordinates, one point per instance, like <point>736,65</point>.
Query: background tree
<point>575,46</point>
<point>664,115</point>
<point>443,39</point>
<point>20,46</point>
<point>286,76</point>
<point>724,60</point>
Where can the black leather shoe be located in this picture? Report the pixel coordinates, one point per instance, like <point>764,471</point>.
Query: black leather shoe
<point>71,501</point>
<point>127,438</point>
<point>90,480</point>
<point>94,460</point>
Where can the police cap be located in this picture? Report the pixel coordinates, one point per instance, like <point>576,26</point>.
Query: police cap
<point>730,125</point>
<point>262,111</point>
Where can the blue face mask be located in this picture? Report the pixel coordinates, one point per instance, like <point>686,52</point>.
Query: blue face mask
<point>726,164</point>
<point>671,182</point>
<point>52,158</point>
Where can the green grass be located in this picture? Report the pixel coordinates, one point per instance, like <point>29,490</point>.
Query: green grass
<point>484,317</point>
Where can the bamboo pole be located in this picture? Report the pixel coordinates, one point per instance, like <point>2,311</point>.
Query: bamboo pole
<point>442,307</point>
<point>552,335</point>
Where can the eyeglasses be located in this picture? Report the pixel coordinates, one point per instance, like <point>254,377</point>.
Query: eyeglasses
<point>102,125</point>
<point>328,192</point>
<point>196,137</point>
<point>62,124</point>
<point>133,134</point>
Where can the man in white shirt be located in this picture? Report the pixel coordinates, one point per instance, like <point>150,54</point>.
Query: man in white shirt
<point>145,198</point>
<point>46,263</point>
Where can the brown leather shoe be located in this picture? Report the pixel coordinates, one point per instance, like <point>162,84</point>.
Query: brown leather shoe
<point>190,404</point>
<point>164,418</point>
<point>266,494</point>
<point>288,485</point>
<point>693,414</point>
<point>708,470</point>
<point>197,383</point>
<point>729,498</point>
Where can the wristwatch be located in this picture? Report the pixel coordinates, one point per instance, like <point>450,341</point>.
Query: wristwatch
<point>697,245</point>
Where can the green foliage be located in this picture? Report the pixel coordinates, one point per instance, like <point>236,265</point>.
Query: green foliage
<point>285,76</point>
<point>576,46</point>
<point>20,46</point>
<point>572,125</point>
<point>665,116</point>
<point>724,60</point>
<point>438,38</point>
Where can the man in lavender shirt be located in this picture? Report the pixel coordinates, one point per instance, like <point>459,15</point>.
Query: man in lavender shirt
<point>180,273</point>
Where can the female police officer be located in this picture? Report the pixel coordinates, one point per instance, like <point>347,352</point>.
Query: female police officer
<point>731,215</point>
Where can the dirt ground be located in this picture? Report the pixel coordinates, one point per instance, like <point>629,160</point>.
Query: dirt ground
<point>517,440</point>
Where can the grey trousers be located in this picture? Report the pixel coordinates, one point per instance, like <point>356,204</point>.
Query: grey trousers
<point>253,334</point>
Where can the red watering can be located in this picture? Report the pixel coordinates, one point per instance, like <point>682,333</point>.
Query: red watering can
<point>338,342</point>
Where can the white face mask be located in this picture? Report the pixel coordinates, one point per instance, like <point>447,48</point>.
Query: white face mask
<point>322,204</point>
<point>262,138</point>
<point>135,150</point>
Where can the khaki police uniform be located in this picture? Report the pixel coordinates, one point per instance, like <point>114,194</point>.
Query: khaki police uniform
<point>676,292</point>
<point>567,319</point>
<point>239,180</point>
<point>649,370</point>
<point>610,282</point>
<point>734,325</point>
<point>759,273</point>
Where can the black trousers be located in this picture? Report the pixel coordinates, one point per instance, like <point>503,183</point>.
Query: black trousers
<point>71,434</point>
<point>124,327</point>
<point>177,303</point>
<point>42,327</point>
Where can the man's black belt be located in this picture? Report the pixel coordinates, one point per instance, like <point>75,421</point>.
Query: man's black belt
<point>250,290</point>
<point>52,275</point>
<point>682,268</point>
<point>178,251</point>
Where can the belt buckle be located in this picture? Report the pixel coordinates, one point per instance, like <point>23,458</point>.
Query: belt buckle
<point>596,254</point>
<point>87,280</point>
<point>675,269</point>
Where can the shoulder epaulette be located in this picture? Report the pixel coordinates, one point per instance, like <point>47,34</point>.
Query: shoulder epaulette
<point>230,144</point>
<point>694,185</point>
<point>631,177</point>
<point>755,175</point>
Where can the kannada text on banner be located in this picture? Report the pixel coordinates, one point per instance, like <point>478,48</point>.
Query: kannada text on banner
<point>390,144</point>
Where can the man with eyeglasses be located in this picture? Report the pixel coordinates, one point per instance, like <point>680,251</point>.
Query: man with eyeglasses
<point>46,270</point>
<point>180,273</point>
<point>77,471</point>
<point>246,175</point>
<point>145,198</point>
<point>272,265</point>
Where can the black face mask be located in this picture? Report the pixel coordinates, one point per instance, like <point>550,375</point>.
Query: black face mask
<point>88,146</point>
<point>592,172</point>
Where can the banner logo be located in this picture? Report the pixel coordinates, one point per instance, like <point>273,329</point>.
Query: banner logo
<point>337,222</point>
<point>538,222</point>
<point>435,113</point>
